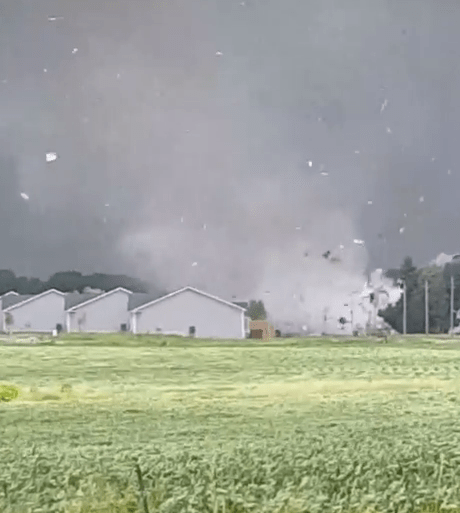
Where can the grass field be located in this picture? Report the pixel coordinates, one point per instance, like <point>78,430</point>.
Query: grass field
<point>313,425</point>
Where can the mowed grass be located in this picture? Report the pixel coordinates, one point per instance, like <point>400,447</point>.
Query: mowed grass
<point>312,425</point>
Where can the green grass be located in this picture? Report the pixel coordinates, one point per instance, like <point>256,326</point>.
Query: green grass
<point>288,426</point>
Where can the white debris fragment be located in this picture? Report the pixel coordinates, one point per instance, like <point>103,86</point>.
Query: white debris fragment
<point>389,130</point>
<point>55,18</point>
<point>357,152</point>
<point>304,328</point>
<point>181,219</point>
<point>105,219</point>
<point>359,242</point>
<point>421,199</point>
<point>297,227</point>
<point>449,172</point>
<point>310,163</point>
<point>324,173</point>
<point>118,76</point>
<point>219,54</point>
<point>342,246</point>
<point>107,205</point>
<point>405,215</point>
<point>384,104</point>
<point>51,156</point>
<point>194,264</point>
<point>24,196</point>
<point>204,227</point>
<point>433,159</point>
<point>74,51</point>
<point>45,70</point>
<point>369,202</point>
<point>401,230</point>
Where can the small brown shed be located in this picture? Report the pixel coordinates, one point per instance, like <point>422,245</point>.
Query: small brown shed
<point>262,330</point>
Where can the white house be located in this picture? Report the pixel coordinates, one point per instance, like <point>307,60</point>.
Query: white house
<point>104,313</point>
<point>189,311</point>
<point>36,313</point>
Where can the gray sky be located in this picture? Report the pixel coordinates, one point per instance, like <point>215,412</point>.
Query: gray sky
<point>147,117</point>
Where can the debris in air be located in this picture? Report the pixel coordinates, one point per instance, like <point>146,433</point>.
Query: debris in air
<point>51,156</point>
<point>335,259</point>
<point>421,199</point>
<point>107,205</point>
<point>369,202</point>
<point>359,242</point>
<point>389,130</point>
<point>204,227</point>
<point>310,163</point>
<point>24,196</point>
<point>55,18</point>
<point>401,230</point>
<point>45,70</point>
<point>326,255</point>
<point>74,51</point>
<point>305,254</point>
<point>449,172</point>
<point>219,54</point>
<point>357,152</point>
<point>384,104</point>
<point>181,219</point>
<point>342,246</point>
<point>324,173</point>
<point>194,264</point>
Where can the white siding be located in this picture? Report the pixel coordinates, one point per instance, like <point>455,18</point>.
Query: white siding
<point>211,318</point>
<point>104,314</point>
<point>40,314</point>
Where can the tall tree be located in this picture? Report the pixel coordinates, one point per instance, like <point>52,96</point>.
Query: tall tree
<point>256,311</point>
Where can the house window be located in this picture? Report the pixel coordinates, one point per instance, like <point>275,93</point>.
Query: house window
<point>124,327</point>
<point>191,331</point>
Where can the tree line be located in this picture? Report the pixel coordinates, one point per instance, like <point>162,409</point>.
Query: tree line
<point>439,293</point>
<point>68,281</point>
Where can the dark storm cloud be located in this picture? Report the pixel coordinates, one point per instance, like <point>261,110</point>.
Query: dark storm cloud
<point>209,111</point>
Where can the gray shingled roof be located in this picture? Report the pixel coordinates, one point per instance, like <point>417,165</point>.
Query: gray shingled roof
<point>11,300</point>
<point>138,299</point>
<point>74,298</point>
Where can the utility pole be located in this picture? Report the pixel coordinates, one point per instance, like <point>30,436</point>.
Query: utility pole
<point>452,305</point>
<point>404,309</point>
<point>427,309</point>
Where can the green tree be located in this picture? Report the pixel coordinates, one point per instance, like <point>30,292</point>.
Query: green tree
<point>256,311</point>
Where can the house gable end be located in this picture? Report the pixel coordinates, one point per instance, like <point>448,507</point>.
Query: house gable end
<point>97,298</point>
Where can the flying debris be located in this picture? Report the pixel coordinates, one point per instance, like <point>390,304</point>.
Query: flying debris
<point>51,156</point>
<point>433,159</point>
<point>45,70</point>
<point>55,18</point>
<point>304,328</point>
<point>105,219</point>
<point>384,104</point>
<point>401,230</point>
<point>369,202</point>
<point>359,242</point>
<point>405,215</point>
<point>421,199</point>
<point>310,163</point>
<point>194,264</point>
<point>449,172</point>
<point>357,152</point>
<point>326,255</point>
<point>204,227</point>
<point>342,246</point>
<point>324,173</point>
<point>181,219</point>
<point>219,54</point>
<point>107,205</point>
<point>297,227</point>
<point>24,196</point>
<point>389,130</point>
<point>74,51</point>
